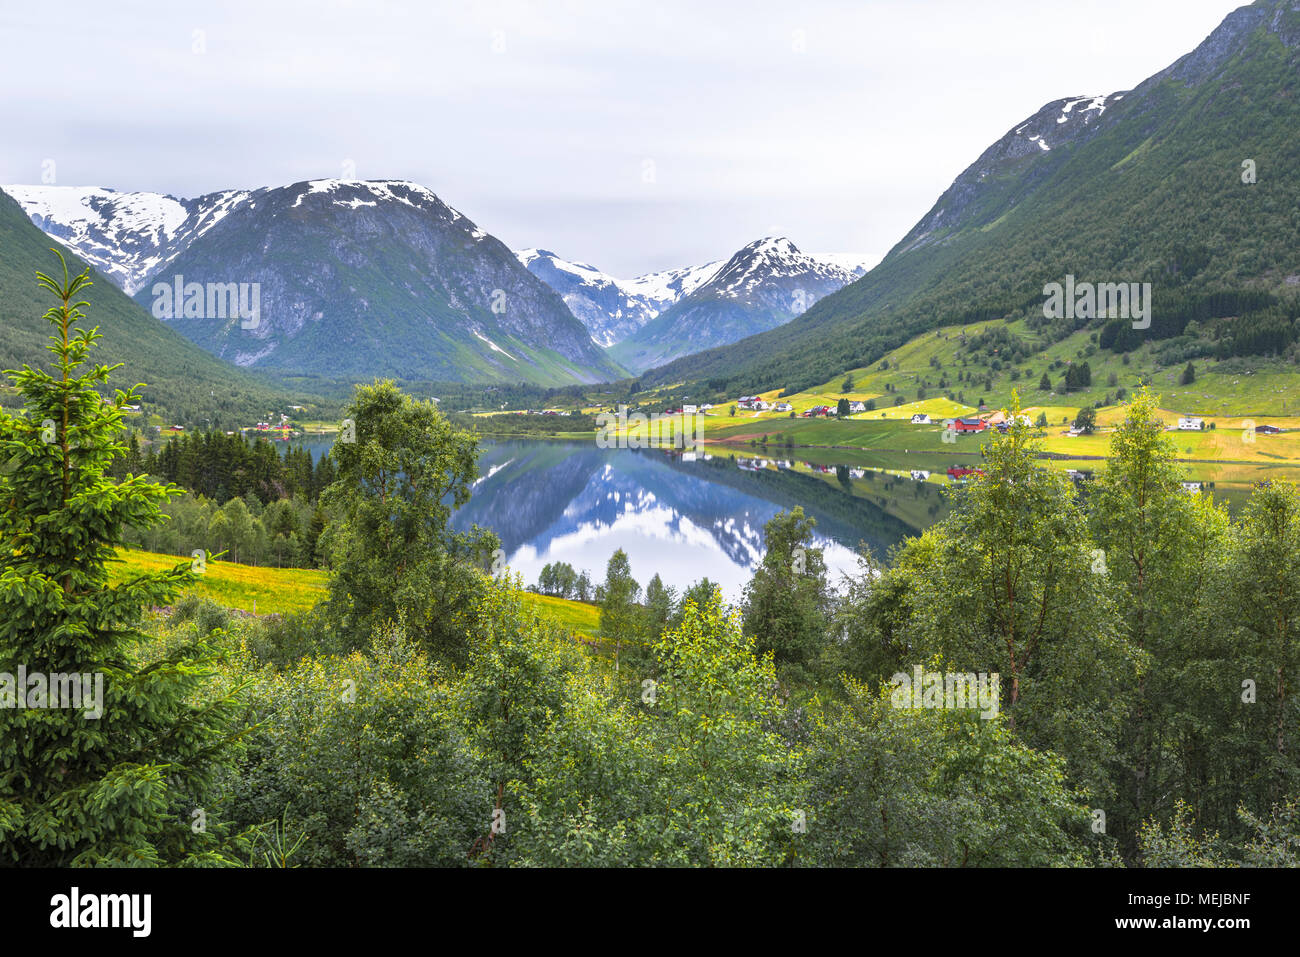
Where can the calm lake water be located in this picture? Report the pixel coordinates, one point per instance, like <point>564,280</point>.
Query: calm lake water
<point>682,517</point>
<point>686,517</point>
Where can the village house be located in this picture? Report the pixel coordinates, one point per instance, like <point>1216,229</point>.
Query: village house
<point>920,418</point>
<point>1190,423</point>
<point>969,425</point>
<point>783,407</point>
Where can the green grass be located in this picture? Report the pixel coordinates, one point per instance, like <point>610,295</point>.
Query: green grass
<point>268,591</point>
<point>262,590</point>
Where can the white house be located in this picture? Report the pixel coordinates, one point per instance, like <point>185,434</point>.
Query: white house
<point>689,410</point>
<point>856,407</point>
<point>783,407</point>
<point>920,419</point>
<point>920,475</point>
<point>1189,423</point>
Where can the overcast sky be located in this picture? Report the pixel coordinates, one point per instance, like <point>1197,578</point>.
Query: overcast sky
<point>631,136</point>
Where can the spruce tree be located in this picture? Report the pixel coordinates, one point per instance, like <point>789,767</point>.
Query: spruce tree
<point>123,775</point>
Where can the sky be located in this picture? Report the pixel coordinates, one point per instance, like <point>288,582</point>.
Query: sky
<point>631,136</point>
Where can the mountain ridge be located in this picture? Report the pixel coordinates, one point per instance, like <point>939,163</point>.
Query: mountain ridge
<point>1149,188</point>
<point>357,278</point>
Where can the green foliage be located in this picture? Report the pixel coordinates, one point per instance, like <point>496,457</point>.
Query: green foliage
<point>391,552</point>
<point>618,612</point>
<point>727,786</point>
<point>126,778</point>
<point>361,759</point>
<point>1005,585</point>
<point>222,467</point>
<point>923,787</point>
<point>786,603</point>
<point>185,384</point>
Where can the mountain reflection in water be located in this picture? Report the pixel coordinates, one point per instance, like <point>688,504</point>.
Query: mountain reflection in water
<point>681,517</point>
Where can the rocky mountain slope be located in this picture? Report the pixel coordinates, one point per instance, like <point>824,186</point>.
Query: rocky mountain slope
<point>762,286</point>
<point>354,279</point>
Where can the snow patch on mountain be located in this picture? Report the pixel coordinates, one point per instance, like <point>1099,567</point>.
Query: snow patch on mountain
<point>126,236</point>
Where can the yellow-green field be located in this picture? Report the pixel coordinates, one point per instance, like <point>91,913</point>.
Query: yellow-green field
<point>266,591</point>
<point>262,590</point>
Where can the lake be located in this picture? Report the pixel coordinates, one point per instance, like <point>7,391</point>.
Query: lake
<point>681,516</point>
<point>690,516</point>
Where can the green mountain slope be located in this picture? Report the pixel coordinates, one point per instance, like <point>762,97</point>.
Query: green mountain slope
<point>185,384</point>
<point>1145,186</point>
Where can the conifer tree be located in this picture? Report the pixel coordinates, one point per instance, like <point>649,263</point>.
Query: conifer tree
<point>124,775</point>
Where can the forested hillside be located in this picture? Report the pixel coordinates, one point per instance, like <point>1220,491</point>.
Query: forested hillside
<point>1186,182</point>
<point>184,383</point>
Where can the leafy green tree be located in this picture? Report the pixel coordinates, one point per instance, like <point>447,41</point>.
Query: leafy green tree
<point>871,617</point>
<point>517,689</point>
<point>727,789</point>
<point>619,613</point>
<point>1177,844</point>
<point>392,554</point>
<point>842,409</point>
<point>1156,551</point>
<point>786,604</point>
<point>364,758</point>
<point>909,787</point>
<point>1008,588</point>
<point>123,775</point>
<point>657,609</point>
<point>1262,591</point>
<point>1086,420</point>
<point>699,594</point>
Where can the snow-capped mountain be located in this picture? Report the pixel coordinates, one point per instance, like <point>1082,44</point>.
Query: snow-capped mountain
<point>126,236</point>
<point>1063,121</point>
<point>764,285</point>
<point>612,309</point>
<point>354,278</point>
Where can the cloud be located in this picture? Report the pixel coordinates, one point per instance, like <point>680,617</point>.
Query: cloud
<point>841,121</point>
